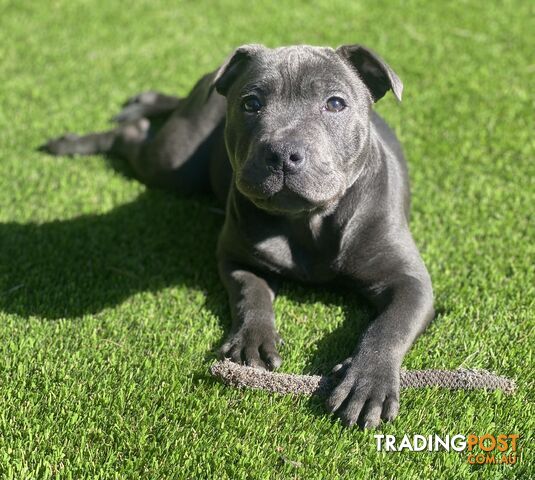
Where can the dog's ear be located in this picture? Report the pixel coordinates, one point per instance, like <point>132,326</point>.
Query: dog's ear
<point>373,70</point>
<point>233,66</point>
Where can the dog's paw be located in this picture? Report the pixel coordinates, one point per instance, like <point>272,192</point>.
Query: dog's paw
<point>254,346</point>
<point>366,393</point>
<point>148,97</point>
<point>64,145</point>
<point>135,107</point>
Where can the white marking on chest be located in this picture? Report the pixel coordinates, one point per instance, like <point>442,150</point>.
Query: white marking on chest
<point>276,251</point>
<point>315,226</point>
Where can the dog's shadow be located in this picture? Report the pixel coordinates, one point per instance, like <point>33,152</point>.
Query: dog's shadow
<point>71,268</point>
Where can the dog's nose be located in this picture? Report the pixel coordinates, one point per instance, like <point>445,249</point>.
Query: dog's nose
<point>289,157</point>
<point>294,161</point>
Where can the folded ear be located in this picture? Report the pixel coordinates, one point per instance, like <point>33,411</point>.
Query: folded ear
<point>233,66</point>
<point>373,70</point>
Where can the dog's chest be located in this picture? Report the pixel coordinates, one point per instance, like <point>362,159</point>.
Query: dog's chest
<point>303,250</point>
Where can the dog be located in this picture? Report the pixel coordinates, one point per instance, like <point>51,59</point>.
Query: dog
<point>315,188</point>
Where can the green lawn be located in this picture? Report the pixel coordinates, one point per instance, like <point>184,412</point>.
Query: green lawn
<point>111,310</point>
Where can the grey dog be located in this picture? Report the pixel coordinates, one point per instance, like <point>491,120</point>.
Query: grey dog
<point>316,189</point>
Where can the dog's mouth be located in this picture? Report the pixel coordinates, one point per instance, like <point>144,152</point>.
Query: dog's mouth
<point>286,200</point>
<point>315,188</point>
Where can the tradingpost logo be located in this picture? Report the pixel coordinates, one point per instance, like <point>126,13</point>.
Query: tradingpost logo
<point>481,449</point>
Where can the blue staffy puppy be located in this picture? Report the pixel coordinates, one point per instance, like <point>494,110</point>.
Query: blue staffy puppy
<point>315,187</point>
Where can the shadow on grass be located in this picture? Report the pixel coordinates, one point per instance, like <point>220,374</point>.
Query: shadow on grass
<point>69,268</point>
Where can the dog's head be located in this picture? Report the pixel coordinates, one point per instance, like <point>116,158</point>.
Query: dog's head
<point>298,121</point>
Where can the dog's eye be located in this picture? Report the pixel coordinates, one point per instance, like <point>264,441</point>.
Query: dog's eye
<point>251,104</point>
<point>335,104</point>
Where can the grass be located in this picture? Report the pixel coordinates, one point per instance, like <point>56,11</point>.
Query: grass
<point>110,305</point>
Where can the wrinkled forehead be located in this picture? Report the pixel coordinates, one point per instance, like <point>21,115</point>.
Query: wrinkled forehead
<point>300,70</point>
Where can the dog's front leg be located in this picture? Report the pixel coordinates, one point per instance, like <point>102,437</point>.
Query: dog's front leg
<point>369,380</point>
<point>253,339</point>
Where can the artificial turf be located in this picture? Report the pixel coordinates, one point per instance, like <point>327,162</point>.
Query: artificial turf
<point>110,305</point>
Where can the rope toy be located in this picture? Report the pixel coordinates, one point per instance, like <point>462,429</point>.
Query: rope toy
<point>242,376</point>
